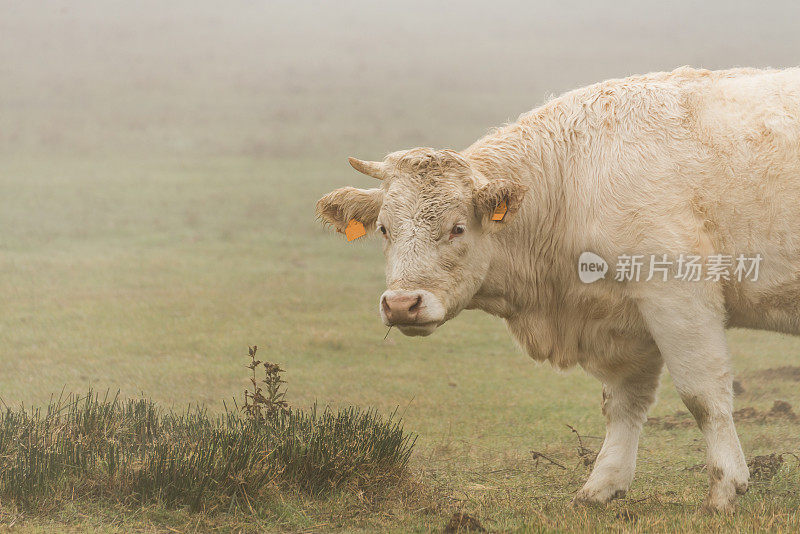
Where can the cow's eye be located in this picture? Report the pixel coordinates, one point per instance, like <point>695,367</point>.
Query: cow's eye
<point>382,229</point>
<point>457,230</point>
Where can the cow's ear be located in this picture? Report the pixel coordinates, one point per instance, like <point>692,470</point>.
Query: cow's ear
<point>497,202</point>
<point>338,208</point>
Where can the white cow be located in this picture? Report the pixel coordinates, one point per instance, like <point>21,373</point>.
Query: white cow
<point>688,168</point>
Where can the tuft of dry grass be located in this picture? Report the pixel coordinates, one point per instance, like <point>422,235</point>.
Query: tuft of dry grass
<point>132,451</point>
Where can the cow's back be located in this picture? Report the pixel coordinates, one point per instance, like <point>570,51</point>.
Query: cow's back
<point>689,161</point>
<point>695,162</point>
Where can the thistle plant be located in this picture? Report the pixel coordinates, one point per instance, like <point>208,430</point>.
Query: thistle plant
<point>268,396</point>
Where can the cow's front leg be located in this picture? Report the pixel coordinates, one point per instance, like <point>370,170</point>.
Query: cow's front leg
<point>691,337</point>
<point>627,396</point>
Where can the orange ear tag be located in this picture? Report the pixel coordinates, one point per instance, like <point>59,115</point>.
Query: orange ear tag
<point>354,230</point>
<point>500,211</point>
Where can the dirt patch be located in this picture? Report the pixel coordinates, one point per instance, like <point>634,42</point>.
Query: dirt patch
<point>747,414</point>
<point>679,419</point>
<point>762,468</point>
<point>463,523</point>
<point>786,372</point>
<point>765,467</point>
<point>781,410</point>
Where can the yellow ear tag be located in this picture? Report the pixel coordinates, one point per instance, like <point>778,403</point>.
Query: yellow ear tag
<point>500,211</point>
<point>354,230</point>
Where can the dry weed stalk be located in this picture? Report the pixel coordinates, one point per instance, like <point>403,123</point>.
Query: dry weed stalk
<point>267,401</point>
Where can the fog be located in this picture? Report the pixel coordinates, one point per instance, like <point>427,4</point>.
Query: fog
<point>313,79</point>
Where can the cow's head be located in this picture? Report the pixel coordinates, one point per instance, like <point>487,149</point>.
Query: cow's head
<point>435,214</point>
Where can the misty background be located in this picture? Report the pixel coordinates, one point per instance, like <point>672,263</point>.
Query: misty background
<point>330,79</point>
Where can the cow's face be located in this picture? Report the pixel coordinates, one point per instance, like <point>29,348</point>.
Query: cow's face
<point>434,214</point>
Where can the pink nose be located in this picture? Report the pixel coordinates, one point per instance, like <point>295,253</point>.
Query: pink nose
<point>402,308</point>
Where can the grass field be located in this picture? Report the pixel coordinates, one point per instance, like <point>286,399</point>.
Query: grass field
<point>156,220</point>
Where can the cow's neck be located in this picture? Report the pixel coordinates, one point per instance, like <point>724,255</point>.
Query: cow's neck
<point>529,257</point>
<point>524,274</point>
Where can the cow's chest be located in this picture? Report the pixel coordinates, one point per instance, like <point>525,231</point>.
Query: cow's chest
<point>589,332</point>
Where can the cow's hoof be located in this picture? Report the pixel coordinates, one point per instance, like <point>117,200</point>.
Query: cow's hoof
<point>724,489</point>
<point>741,488</point>
<point>722,498</point>
<point>602,495</point>
<point>719,505</point>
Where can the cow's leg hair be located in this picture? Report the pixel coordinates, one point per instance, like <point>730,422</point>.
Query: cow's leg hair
<point>626,399</point>
<point>691,338</point>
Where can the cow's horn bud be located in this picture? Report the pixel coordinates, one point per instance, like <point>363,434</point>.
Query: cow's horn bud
<point>370,168</point>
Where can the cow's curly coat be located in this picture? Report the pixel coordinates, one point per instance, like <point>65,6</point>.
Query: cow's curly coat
<point>686,162</point>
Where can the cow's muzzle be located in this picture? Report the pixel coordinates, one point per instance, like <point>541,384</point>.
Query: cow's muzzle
<point>414,313</point>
